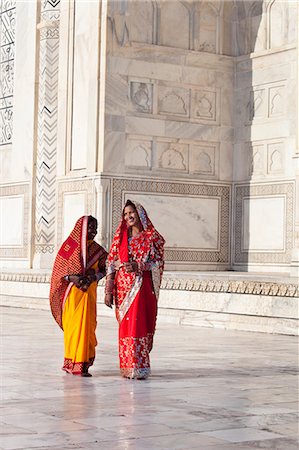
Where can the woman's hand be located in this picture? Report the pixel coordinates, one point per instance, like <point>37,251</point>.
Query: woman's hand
<point>108,300</point>
<point>131,266</point>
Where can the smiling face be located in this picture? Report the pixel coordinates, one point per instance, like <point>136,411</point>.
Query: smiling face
<point>131,217</point>
<point>92,229</point>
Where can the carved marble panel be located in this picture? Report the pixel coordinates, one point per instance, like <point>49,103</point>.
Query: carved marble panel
<point>173,101</point>
<point>138,154</point>
<point>195,220</point>
<point>172,156</point>
<point>141,21</point>
<point>14,221</point>
<point>276,101</point>
<point>257,107</point>
<point>263,224</point>
<point>205,28</point>
<point>203,159</point>
<point>174,24</point>
<point>141,95</point>
<point>275,157</point>
<point>204,105</point>
<point>256,157</point>
<point>124,188</point>
<point>249,223</point>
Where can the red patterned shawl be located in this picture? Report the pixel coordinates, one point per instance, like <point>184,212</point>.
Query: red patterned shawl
<point>148,248</point>
<point>73,258</point>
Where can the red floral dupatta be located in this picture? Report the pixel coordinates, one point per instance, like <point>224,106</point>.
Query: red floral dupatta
<point>148,253</point>
<point>73,258</point>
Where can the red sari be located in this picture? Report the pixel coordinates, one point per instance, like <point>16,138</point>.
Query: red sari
<point>136,293</point>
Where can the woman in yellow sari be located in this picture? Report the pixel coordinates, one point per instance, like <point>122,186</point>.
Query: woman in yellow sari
<point>79,265</point>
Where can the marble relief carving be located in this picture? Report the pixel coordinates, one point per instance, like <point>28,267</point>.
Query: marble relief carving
<point>202,159</point>
<point>7,56</point>
<point>204,105</point>
<point>256,104</point>
<point>257,164</point>
<point>157,154</point>
<point>266,158</point>
<point>142,96</point>
<point>276,107</point>
<point>266,102</point>
<point>120,187</point>
<point>275,158</point>
<point>173,101</point>
<point>139,154</point>
<point>172,156</point>
<point>190,102</point>
<point>188,284</point>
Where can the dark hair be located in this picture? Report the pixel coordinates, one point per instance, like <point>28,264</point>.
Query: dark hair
<point>129,203</point>
<point>92,219</point>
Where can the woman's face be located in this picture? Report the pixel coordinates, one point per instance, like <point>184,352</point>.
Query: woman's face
<point>92,229</point>
<point>131,216</point>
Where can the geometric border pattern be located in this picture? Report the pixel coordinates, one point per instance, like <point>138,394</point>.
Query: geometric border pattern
<point>222,256</point>
<point>262,190</point>
<point>252,287</point>
<point>20,252</point>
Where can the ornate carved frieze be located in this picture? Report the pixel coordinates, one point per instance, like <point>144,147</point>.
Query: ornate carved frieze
<point>158,154</point>
<point>214,285</point>
<point>20,191</point>
<point>123,187</point>
<point>192,103</point>
<point>7,56</point>
<point>281,192</point>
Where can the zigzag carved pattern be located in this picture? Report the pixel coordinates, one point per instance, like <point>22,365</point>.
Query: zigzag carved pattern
<point>47,141</point>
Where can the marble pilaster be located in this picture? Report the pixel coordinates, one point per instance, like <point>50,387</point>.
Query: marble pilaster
<point>45,187</point>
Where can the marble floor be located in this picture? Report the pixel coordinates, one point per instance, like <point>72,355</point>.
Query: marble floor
<point>210,389</point>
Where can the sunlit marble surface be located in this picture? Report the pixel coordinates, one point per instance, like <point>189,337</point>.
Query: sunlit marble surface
<point>210,389</point>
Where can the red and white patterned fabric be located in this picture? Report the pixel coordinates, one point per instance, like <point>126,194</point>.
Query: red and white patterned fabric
<point>136,293</point>
<point>73,258</point>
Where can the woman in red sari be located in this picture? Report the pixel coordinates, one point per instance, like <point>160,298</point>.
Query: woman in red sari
<point>79,265</point>
<point>135,267</point>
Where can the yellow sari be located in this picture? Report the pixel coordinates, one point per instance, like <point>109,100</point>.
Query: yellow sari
<point>79,324</point>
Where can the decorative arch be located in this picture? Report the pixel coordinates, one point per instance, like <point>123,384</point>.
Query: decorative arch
<point>206,27</point>
<point>174,24</point>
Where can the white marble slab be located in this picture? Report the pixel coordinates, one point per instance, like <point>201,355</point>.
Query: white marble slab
<point>185,222</point>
